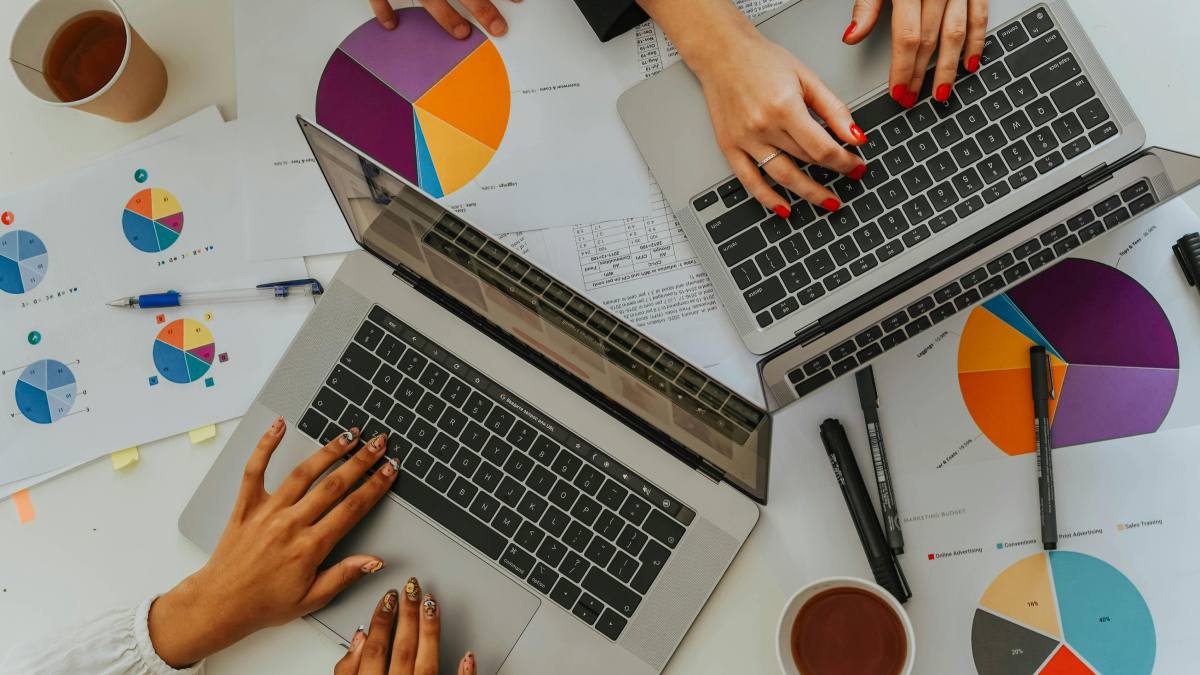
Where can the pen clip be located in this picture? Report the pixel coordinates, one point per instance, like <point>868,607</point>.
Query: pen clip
<point>317,289</point>
<point>1049,378</point>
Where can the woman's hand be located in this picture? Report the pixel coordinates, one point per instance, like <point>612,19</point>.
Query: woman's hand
<point>759,97</point>
<point>264,569</point>
<point>413,650</point>
<point>919,27</point>
<point>447,17</point>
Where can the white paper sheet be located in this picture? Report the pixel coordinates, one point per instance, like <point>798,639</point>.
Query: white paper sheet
<point>565,158</point>
<point>969,510</point>
<point>78,217</point>
<point>205,120</point>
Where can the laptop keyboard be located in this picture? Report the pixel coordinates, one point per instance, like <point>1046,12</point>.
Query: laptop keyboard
<point>972,288</point>
<point>1028,110</point>
<point>551,509</point>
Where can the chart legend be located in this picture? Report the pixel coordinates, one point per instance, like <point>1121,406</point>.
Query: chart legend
<point>1113,358</point>
<point>23,261</point>
<point>1062,613</point>
<point>153,220</point>
<point>183,351</point>
<point>432,108</point>
<point>45,391</point>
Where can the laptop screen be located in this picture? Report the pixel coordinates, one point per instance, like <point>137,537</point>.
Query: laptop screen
<point>595,349</point>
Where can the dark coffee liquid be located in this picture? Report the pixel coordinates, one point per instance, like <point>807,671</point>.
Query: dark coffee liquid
<point>85,55</point>
<point>848,631</point>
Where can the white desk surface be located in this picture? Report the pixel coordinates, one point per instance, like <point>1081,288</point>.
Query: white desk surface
<point>104,538</point>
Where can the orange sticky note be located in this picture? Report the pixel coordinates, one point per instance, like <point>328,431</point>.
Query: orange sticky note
<point>24,506</point>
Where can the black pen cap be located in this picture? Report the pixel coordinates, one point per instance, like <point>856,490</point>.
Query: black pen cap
<point>1039,366</point>
<point>868,395</point>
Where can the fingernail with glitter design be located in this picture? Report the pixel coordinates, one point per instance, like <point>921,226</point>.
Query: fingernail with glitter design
<point>277,427</point>
<point>360,636</point>
<point>412,590</point>
<point>391,467</point>
<point>346,438</point>
<point>378,444</point>
<point>373,566</point>
<point>430,606</point>
<point>389,601</point>
<point>849,31</point>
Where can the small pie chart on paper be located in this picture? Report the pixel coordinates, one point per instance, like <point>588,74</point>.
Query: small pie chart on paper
<point>23,261</point>
<point>45,391</point>
<point>184,351</point>
<point>432,108</point>
<point>153,220</point>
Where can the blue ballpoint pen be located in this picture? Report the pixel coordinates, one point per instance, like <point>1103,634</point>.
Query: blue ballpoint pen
<point>280,290</point>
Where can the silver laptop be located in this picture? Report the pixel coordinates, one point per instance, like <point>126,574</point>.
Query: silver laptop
<point>571,490</point>
<point>1032,156</point>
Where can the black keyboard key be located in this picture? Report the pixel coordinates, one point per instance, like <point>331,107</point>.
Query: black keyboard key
<point>893,339</point>
<point>874,176</point>
<point>1020,178</point>
<point>664,528</point>
<point>348,384</point>
<point>1041,50</point>
<point>369,335</point>
<point>734,221</point>
<point>942,312</point>
<point>974,278</point>
<point>1072,94</point>
<point>543,578</point>
<point>1054,234</point>
<point>506,521</point>
<point>991,139</point>
<point>532,506</point>
<point>869,207</point>
<point>1027,249</point>
<point>389,350</point>
<point>818,234</point>
<point>1141,204</point>
<point>412,363</point>
<point>1056,72</point>
<point>462,492</point>
<point>510,491</point>
<point>1092,113</point>
<point>785,308</point>
<point>1042,141</point>
<point>893,322</point>
<point>993,192</point>
<point>622,566</point>
<point>770,261</point>
<point>499,421</point>
<point>917,180</point>
<point>1091,231</point>
<point>585,613</point>
<point>893,194</point>
<point>971,120</point>
<point>387,379</point>
<point>563,495</point>
<point>551,551</point>
<point>356,417</point>
<point>456,520</point>
<point>1041,258</point>
<point>922,147</point>
<point>776,228</point>
<point>313,423</point>
<point>813,383</point>
<point>452,422</point>
<point>848,189</point>
<point>610,591</point>
<point>794,278</point>
<point>565,593</point>
<point>328,403</point>
<point>1016,125</point>
<point>821,174</point>
<point>742,246</point>
<point>944,109</point>
<point>1066,245</point>
<point>946,292</point>
<point>891,248</point>
<point>868,336</point>
<point>1021,92</point>
<point>843,350</point>
<point>1014,273</point>
<point>920,324</point>
<point>996,106</point>
<point>1104,207</point>
<point>1038,22</point>
<point>554,521</point>
<point>897,130</point>
<point>484,507</point>
<point>917,210</point>
<point>1049,162</point>
<point>541,480</point>
<point>863,265</point>
<point>995,76</point>
<point>946,133</point>
<point>610,624</point>
<point>941,166</point>
<point>361,361</point>
<point>837,279</point>
<point>735,198</point>
<point>600,551</point>
<point>967,299</point>
<point>455,391</point>
<point>968,207</point>
<point>634,510</point>
<point>810,293</point>
<point>1017,155</point>
<point>875,145</point>
<point>766,294</point>
<point>519,563</point>
<point>991,286</point>
<point>1000,264</point>
<point>704,201</point>
<point>1102,132</point>
<point>1116,218</point>
<point>430,407</point>
<point>992,169</point>
<point>1012,36</point>
<point>966,153</point>
<point>843,251</point>
<point>967,183</point>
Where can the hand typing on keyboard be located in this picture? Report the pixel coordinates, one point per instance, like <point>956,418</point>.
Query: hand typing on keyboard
<point>264,569</point>
<point>918,28</point>
<point>403,638</point>
<point>759,97</point>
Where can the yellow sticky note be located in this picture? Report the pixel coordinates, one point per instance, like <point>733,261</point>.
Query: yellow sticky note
<point>203,433</point>
<point>24,506</point>
<point>123,458</point>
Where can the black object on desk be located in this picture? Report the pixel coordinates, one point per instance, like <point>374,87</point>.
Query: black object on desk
<point>884,566</point>
<point>868,397</point>
<point>1187,252</point>
<point>1043,391</point>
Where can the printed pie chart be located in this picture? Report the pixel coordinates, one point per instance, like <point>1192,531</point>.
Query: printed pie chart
<point>23,261</point>
<point>184,351</point>
<point>153,220</point>
<point>1113,356</point>
<point>1062,613</point>
<point>429,107</point>
<point>45,391</point>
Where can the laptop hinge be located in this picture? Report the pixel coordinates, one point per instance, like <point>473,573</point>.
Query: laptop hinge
<point>1101,168</point>
<point>809,333</point>
<point>710,471</point>
<point>403,274</point>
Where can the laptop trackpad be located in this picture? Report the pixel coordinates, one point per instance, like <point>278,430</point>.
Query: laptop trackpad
<point>482,610</point>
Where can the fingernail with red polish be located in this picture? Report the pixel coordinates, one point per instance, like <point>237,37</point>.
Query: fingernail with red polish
<point>898,92</point>
<point>943,93</point>
<point>973,64</point>
<point>857,173</point>
<point>910,99</point>
<point>831,205</point>
<point>783,211</point>
<point>849,31</point>
<point>858,133</point>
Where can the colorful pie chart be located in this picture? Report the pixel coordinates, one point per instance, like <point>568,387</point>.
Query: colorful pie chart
<point>23,261</point>
<point>432,108</point>
<point>153,220</point>
<point>1062,613</point>
<point>184,351</point>
<point>45,391</point>
<point>1113,356</point>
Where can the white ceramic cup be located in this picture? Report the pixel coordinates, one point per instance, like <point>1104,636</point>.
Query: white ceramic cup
<point>787,619</point>
<point>133,93</point>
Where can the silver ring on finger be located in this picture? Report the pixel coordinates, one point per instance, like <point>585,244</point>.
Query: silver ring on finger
<point>770,157</point>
